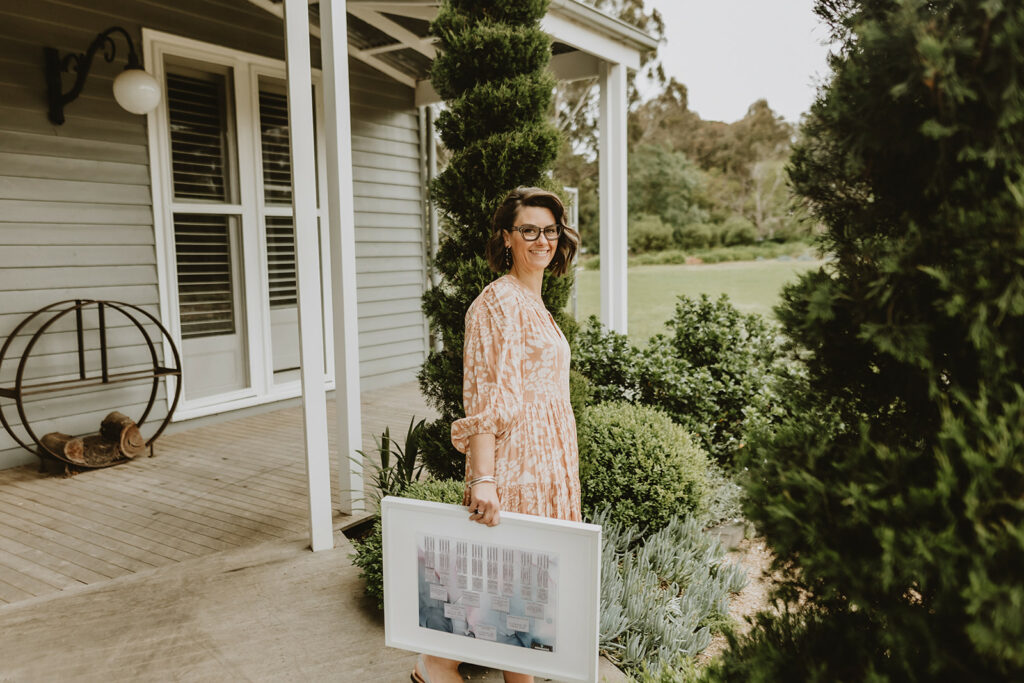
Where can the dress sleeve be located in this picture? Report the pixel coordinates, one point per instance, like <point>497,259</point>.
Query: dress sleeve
<point>492,386</point>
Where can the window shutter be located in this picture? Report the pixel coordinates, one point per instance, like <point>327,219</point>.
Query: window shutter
<point>277,164</point>
<point>281,261</point>
<point>197,109</point>
<point>205,288</point>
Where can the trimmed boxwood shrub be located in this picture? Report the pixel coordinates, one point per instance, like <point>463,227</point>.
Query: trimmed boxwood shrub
<point>636,460</point>
<point>714,372</point>
<point>369,551</point>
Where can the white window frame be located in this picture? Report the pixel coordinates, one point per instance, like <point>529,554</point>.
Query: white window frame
<point>247,68</point>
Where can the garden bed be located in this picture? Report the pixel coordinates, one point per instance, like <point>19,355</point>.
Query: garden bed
<point>756,558</point>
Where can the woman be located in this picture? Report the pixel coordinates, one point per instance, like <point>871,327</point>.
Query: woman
<point>519,433</point>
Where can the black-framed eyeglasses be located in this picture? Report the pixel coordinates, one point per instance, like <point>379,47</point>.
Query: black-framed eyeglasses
<point>531,233</point>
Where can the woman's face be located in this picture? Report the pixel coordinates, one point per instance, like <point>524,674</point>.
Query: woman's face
<point>536,255</point>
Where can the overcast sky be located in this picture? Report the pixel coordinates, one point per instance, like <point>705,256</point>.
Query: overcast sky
<point>730,53</point>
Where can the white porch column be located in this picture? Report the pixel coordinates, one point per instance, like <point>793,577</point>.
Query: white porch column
<point>341,225</point>
<point>613,195</point>
<point>307,266</point>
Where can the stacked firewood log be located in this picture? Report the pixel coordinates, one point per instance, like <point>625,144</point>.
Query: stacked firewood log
<point>119,440</point>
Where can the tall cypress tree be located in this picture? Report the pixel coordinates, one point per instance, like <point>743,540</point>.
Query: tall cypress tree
<point>492,73</point>
<point>893,492</point>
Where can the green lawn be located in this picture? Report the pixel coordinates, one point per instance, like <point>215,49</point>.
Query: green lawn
<point>753,287</point>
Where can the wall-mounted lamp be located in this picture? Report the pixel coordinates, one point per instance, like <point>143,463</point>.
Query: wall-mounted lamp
<point>134,89</point>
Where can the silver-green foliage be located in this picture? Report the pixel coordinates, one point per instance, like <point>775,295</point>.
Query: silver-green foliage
<point>723,500</point>
<point>659,594</point>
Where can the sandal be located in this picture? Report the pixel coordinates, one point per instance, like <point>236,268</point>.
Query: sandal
<point>420,666</point>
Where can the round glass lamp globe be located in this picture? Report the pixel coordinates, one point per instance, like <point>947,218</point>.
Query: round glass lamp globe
<point>136,91</point>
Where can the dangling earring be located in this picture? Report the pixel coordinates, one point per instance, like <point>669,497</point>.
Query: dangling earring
<point>508,259</point>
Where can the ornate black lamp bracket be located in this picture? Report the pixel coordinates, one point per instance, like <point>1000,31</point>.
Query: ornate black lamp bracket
<point>56,66</point>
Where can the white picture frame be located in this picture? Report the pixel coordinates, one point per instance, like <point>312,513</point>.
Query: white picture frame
<point>544,622</point>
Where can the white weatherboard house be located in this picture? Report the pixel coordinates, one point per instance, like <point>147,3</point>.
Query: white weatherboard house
<point>270,211</point>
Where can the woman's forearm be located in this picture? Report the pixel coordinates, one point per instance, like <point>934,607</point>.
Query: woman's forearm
<point>481,454</point>
<point>483,496</point>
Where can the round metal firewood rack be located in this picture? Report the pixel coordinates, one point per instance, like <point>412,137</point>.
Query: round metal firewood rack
<point>156,373</point>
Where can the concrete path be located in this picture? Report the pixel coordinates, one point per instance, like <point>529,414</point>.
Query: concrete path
<point>268,612</point>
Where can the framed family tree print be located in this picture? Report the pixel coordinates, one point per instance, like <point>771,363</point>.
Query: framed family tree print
<point>522,596</point>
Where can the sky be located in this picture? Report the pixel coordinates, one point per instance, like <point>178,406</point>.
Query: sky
<point>730,53</point>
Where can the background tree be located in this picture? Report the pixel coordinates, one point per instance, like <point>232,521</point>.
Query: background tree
<point>664,183</point>
<point>892,492</point>
<point>736,168</point>
<point>492,73</point>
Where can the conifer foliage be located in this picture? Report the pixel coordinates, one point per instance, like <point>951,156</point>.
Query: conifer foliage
<point>893,491</point>
<point>492,73</point>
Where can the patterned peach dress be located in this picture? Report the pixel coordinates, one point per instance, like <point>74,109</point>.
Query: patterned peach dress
<point>516,386</point>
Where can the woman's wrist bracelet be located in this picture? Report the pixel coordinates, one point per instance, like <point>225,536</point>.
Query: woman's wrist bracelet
<point>486,479</point>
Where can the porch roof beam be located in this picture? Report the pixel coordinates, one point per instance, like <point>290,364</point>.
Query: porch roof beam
<point>382,66</point>
<point>376,19</point>
<point>382,49</point>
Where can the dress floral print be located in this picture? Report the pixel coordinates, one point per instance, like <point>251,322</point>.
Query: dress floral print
<point>516,386</point>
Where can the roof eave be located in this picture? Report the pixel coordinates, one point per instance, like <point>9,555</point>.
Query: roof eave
<point>608,25</point>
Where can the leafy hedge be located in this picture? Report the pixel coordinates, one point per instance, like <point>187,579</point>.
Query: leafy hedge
<point>714,372</point>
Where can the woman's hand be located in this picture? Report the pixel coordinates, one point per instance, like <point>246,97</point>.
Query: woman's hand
<point>483,503</point>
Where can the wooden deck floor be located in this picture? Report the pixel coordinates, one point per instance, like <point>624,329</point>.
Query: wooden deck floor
<point>209,489</point>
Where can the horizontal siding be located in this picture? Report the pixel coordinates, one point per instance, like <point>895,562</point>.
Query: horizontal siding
<point>390,335</point>
<point>387,249</point>
<point>388,379</point>
<point>43,234</point>
<point>46,166</point>
<point>75,214</point>
<point>55,354</point>
<point>390,259</point>
<point>48,367</point>
<point>395,264</point>
<point>77,255</point>
<point>410,363</point>
<point>370,324</point>
<point>65,148</point>
<point>72,191</point>
<point>85,275</point>
<point>75,200</point>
